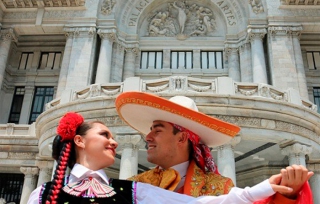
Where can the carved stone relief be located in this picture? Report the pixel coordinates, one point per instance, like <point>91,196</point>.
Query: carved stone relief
<point>257,6</point>
<point>107,6</point>
<point>182,20</point>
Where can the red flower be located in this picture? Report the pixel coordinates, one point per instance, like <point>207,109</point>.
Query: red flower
<point>68,125</point>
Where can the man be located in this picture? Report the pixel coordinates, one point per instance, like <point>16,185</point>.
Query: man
<point>178,143</point>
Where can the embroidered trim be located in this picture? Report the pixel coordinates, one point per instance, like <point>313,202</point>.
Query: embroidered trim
<point>134,192</point>
<point>89,187</point>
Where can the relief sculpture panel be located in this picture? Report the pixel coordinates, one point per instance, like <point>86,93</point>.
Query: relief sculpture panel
<point>182,20</point>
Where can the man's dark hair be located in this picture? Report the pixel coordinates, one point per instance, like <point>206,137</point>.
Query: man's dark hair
<point>190,146</point>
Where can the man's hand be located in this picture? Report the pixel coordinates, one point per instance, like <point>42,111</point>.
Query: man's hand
<point>294,177</point>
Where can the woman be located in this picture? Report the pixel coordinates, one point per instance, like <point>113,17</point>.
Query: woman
<point>89,147</point>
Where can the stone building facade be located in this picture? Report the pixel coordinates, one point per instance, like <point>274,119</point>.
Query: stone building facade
<point>255,63</point>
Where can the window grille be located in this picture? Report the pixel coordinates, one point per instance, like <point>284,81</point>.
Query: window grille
<point>181,59</point>
<point>42,96</point>
<point>316,95</point>
<point>11,187</point>
<point>313,60</point>
<point>16,105</point>
<point>211,60</point>
<point>151,60</point>
<point>50,60</point>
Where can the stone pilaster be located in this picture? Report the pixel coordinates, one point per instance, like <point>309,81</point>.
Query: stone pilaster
<point>65,62</point>
<point>6,37</point>
<point>296,153</point>
<point>82,58</point>
<point>129,62</point>
<point>196,59</point>
<point>301,75</point>
<point>225,160</point>
<point>29,184</point>
<point>45,171</point>
<point>245,63</point>
<point>233,63</point>
<point>129,157</point>
<point>117,64</point>
<point>166,59</point>
<point>108,37</point>
<point>315,181</point>
<point>27,103</point>
<point>258,61</point>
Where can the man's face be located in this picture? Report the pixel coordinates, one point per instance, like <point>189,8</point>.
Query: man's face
<point>162,144</point>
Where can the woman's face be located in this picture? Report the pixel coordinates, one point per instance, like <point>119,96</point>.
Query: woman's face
<point>99,148</point>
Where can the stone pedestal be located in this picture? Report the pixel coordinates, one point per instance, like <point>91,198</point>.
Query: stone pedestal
<point>296,153</point>
<point>105,57</point>
<point>29,184</point>
<point>129,156</point>
<point>256,36</point>
<point>225,160</point>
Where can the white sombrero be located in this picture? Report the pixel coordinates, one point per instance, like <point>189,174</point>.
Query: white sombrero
<point>139,110</point>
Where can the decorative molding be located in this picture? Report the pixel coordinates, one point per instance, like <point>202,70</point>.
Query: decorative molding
<point>285,30</point>
<point>42,3</point>
<point>300,2</point>
<point>96,90</point>
<point>107,6</point>
<point>257,6</point>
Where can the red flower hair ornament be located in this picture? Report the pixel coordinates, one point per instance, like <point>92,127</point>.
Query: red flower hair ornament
<point>68,125</point>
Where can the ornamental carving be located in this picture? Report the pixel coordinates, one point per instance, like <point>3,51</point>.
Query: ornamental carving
<point>257,6</point>
<point>107,6</point>
<point>182,20</point>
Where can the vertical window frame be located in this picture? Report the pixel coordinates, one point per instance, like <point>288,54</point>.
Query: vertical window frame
<point>16,98</point>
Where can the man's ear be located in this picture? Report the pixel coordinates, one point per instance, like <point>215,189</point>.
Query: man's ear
<point>79,141</point>
<point>183,137</point>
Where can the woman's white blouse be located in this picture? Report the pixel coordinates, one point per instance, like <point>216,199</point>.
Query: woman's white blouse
<point>146,193</point>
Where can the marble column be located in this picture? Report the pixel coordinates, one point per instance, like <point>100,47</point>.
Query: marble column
<point>233,63</point>
<point>45,171</point>
<point>65,62</point>
<point>29,183</point>
<point>117,64</point>
<point>296,153</point>
<point>129,156</point>
<point>258,62</point>
<point>225,160</point>
<point>301,75</point>
<point>245,63</point>
<point>103,74</point>
<point>6,37</point>
<point>129,62</point>
<point>315,181</point>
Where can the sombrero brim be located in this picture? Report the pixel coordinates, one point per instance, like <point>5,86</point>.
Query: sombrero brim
<point>140,109</point>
